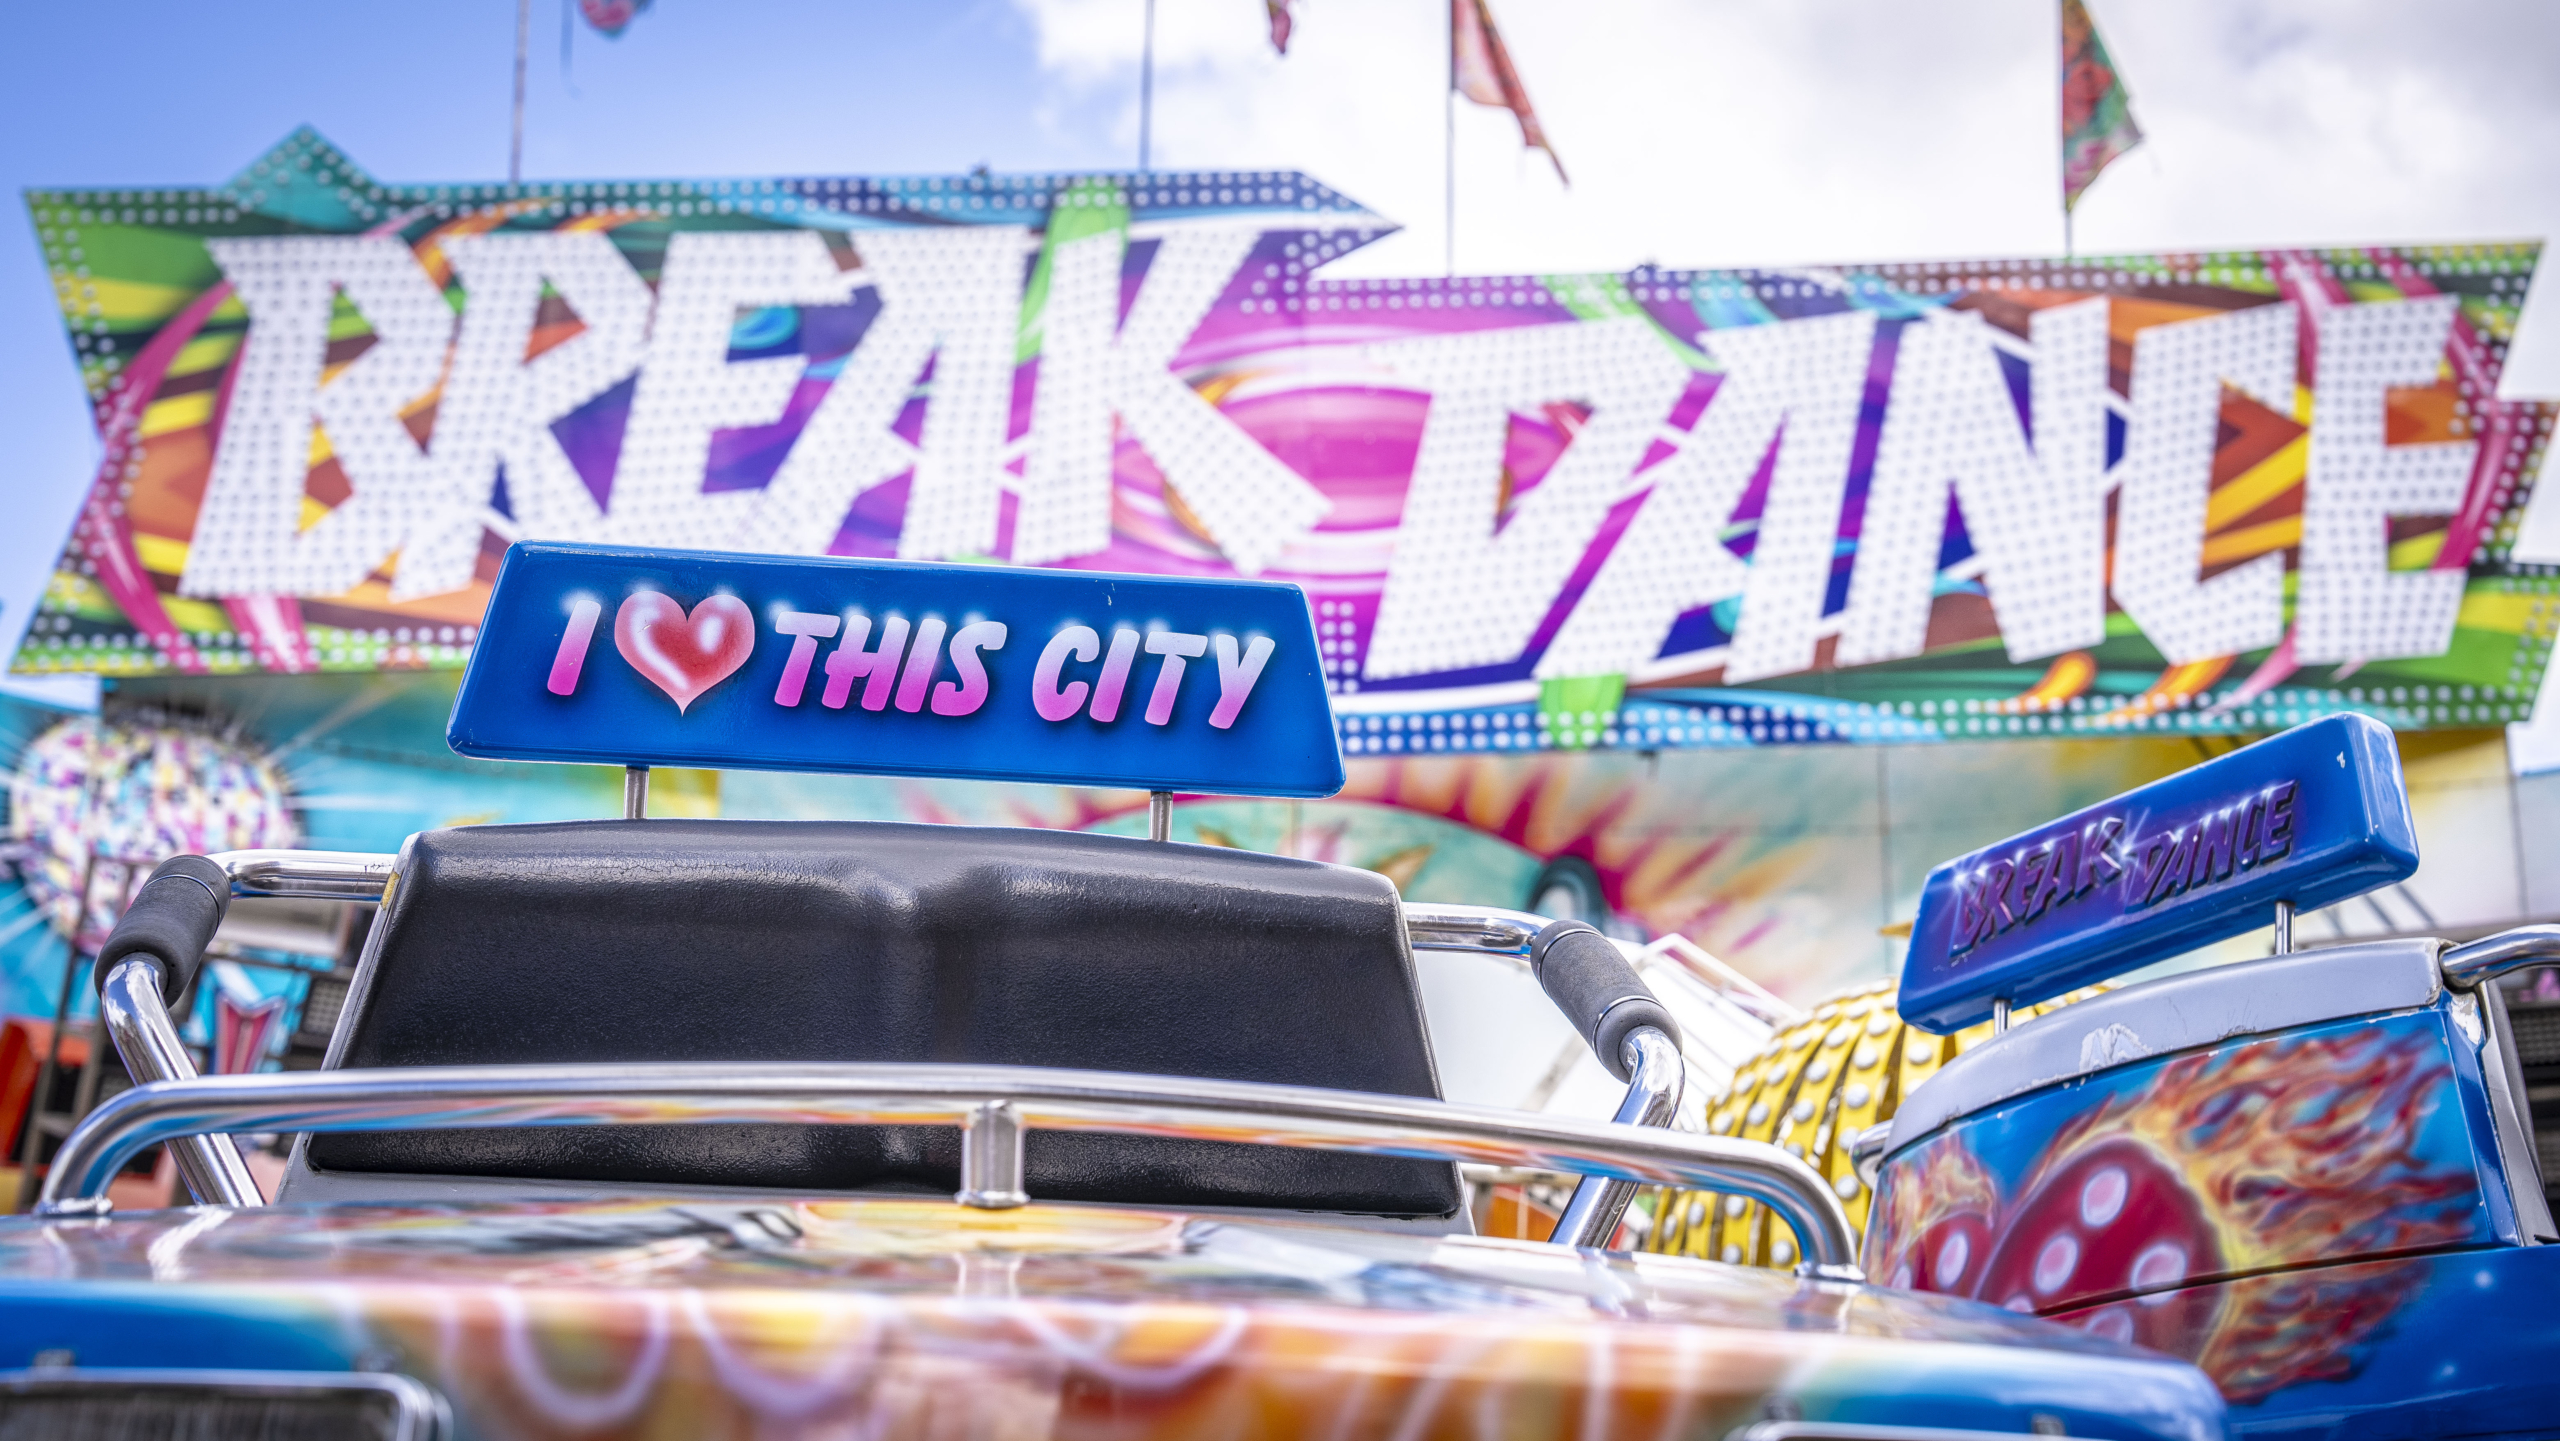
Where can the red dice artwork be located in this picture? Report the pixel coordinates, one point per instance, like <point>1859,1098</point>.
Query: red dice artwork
<point>2127,1203</point>
<point>2115,1221</point>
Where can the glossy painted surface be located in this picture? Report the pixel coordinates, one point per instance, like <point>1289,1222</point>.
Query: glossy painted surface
<point>2452,1344</point>
<point>2310,817</point>
<point>694,658</point>
<point>2223,1204</point>
<point>915,1318</point>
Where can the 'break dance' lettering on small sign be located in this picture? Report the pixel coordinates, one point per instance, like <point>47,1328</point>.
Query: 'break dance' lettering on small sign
<point>2303,819</point>
<point>2165,860</point>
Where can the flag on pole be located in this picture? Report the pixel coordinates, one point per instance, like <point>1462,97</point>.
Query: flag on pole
<point>1279,24</point>
<point>610,16</point>
<point>1480,68</point>
<point>2097,110</point>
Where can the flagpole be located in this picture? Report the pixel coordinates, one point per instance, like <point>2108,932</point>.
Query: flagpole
<point>524,39</point>
<point>1147,89</point>
<point>1449,154</point>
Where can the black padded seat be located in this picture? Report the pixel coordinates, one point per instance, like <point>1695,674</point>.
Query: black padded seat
<point>799,941</point>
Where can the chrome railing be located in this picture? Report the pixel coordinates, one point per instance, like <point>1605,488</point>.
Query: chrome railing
<point>1656,1077</point>
<point>996,1103</point>
<point>994,1124</point>
<point>1656,1074</point>
<point>147,1039</point>
<point>308,875</point>
<point>2469,967</point>
<point>1477,930</point>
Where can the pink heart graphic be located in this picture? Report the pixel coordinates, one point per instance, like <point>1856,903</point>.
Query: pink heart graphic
<point>684,655</point>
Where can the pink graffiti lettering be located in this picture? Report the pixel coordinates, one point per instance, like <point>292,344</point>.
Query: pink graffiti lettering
<point>1176,648</point>
<point>806,629</point>
<point>1236,677</point>
<point>1053,701</point>
<point>1115,676</point>
<point>572,656</point>
<point>851,660</point>
<point>970,691</point>
<point>921,660</point>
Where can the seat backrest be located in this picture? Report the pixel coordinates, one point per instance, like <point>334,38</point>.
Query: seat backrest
<point>783,941</point>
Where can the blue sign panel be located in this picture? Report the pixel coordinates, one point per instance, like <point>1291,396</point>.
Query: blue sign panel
<point>694,658</point>
<point>2312,817</point>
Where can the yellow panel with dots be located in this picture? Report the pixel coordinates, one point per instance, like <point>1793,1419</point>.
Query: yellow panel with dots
<point>1811,1091</point>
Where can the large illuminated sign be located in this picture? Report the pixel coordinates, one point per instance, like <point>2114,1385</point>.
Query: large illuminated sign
<point>2200,492</point>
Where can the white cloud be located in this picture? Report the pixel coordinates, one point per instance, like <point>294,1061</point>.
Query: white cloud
<point>1706,132</point>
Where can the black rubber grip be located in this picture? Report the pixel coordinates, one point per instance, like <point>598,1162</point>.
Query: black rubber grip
<point>171,921</point>
<point>1583,972</point>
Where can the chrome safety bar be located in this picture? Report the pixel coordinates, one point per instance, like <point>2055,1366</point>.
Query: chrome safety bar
<point>307,875</point>
<point>1656,1076</point>
<point>1478,930</point>
<point>146,1036</point>
<point>138,1020</point>
<point>1656,1073</point>
<point>997,1099</point>
<point>2471,966</point>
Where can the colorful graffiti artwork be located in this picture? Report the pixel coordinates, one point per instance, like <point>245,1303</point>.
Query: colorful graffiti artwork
<point>96,805</point>
<point>2195,492</point>
<point>2196,1203</point>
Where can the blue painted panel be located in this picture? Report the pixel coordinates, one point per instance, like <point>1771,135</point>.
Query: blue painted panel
<point>690,658</point>
<point>2312,816</point>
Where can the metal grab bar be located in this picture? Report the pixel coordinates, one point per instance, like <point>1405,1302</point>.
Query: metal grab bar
<point>138,1020</point>
<point>998,1097</point>
<point>1478,930</point>
<point>307,875</point>
<point>146,1036</point>
<point>2469,967</point>
<point>1658,1075</point>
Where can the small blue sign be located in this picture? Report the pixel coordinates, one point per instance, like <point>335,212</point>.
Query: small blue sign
<point>2312,816</point>
<point>625,656</point>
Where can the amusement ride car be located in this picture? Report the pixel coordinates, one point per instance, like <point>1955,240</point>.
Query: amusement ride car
<point>2320,1175</point>
<point>660,1128</point>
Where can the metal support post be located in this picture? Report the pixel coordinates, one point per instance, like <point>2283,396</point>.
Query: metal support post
<point>1159,815</point>
<point>991,1158</point>
<point>2284,928</point>
<point>635,793</point>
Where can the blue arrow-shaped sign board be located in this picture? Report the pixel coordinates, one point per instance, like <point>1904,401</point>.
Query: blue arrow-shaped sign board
<point>2311,817</point>
<point>626,656</point>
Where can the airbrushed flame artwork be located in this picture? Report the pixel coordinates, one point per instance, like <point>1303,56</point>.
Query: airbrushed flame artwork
<point>2250,1159</point>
